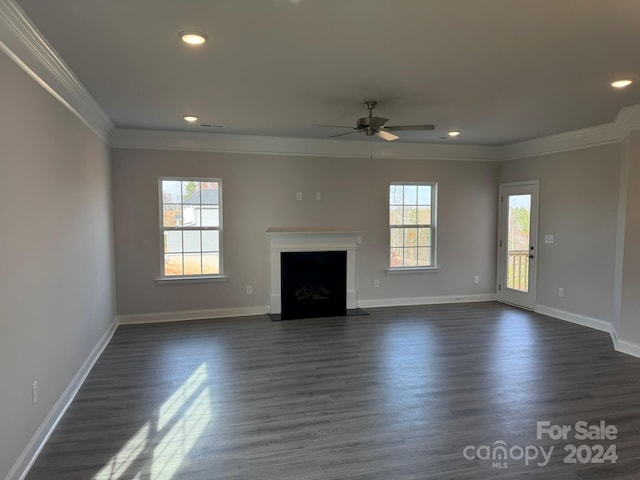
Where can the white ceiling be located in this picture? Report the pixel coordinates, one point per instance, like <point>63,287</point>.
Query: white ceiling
<point>501,71</point>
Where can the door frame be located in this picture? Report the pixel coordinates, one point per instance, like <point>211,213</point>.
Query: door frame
<point>534,241</point>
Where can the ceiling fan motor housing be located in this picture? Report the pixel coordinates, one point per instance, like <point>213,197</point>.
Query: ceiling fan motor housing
<point>371,124</point>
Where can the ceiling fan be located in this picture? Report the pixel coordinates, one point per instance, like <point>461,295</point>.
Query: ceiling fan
<point>376,125</point>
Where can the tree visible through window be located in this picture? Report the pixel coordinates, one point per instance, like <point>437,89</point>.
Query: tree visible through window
<point>190,226</point>
<point>412,225</point>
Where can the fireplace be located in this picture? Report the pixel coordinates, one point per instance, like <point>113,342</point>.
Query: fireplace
<point>313,284</point>
<point>305,244</point>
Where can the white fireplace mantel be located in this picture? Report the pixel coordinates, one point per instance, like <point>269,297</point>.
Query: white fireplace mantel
<point>311,240</point>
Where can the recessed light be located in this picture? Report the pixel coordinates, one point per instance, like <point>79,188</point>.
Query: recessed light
<point>621,83</point>
<point>190,118</point>
<point>193,38</point>
<point>454,133</point>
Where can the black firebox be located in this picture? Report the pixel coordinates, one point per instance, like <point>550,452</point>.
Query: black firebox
<point>314,284</point>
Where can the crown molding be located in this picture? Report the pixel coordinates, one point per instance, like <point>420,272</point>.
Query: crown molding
<point>253,144</point>
<point>627,120</point>
<point>27,47</point>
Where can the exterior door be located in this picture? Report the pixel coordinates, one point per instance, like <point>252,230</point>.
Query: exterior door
<point>518,244</point>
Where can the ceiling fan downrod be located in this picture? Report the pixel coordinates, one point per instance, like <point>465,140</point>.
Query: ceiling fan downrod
<point>366,122</point>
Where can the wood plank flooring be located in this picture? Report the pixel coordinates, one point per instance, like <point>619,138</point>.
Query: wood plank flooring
<point>396,395</point>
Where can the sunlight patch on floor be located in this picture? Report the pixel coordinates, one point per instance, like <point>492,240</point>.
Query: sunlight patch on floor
<point>181,396</point>
<point>120,462</point>
<point>176,444</point>
<point>181,421</point>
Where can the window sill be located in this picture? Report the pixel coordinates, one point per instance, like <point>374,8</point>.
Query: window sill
<point>395,271</point>
<point>198,279</point>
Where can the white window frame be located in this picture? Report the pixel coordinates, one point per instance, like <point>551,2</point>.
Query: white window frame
<point>432,226</point>
<point>220,276</point>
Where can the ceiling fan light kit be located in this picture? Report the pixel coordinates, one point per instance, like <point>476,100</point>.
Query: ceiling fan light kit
<point>372,125</point>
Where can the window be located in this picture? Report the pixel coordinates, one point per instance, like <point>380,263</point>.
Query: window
<point>412,225</point>
<point>190,226</point>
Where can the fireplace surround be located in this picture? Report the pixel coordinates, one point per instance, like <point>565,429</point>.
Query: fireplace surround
<point>285,240</point>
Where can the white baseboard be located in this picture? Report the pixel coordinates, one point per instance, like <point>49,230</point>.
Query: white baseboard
<point>629,348</point>
<point>614,336</point>
<point>624,346</point>
<point>406,301</point>
<point>192,315</point>
<point>619,345</point>
<point>590,322</point>
<point>30,453</point>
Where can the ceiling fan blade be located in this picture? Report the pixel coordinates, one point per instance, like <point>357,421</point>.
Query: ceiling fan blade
<point>389,137</point>
<point>330,126</point>
<point>399,128</point>
<point>343,134</point>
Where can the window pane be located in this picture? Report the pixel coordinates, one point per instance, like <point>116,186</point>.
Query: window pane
<point>410,257</point>
<point>410,215</point>
<point>191,223</point>
<point>209,193</point>
<point>210,241</point>
<point>395,215</point>
<point>210,216</point>
<point>410,195</point>
<point>192,263</point>
<point>424,257</point>
<point>210,263</point>
<point>191,192</point>
<point>396,257</point>
<point>410,206</point>
<point>173,241</point>
<point>397,237</point>
<point>424,195</point>
<point>424,215</point>
<point>173,264</point>
<point>410,237</point>
<point>395,195</point>
<point>191,241</point>
<point>189,216</point>
<point>197,210</point>
<point>424,237</point>
<point>518,239</point>
<point>171,191</point>
<point>171,216</point>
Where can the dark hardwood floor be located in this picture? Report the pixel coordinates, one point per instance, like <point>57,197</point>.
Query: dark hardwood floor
<point>398,395</point>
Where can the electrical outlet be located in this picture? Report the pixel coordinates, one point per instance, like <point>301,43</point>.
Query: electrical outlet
<point>318,195</point>
<point>376,284</point>
<point>359,239</point>
<point>476,279</point>
<point>561,292</point>
<point>298,195</point>
<point>249,289</point>
<point>34,392</point>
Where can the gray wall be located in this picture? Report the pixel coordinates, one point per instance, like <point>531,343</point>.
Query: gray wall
<point>578,204</point>
<point>630,301</point>
<point>259,192</point>
<point>56,288</point>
